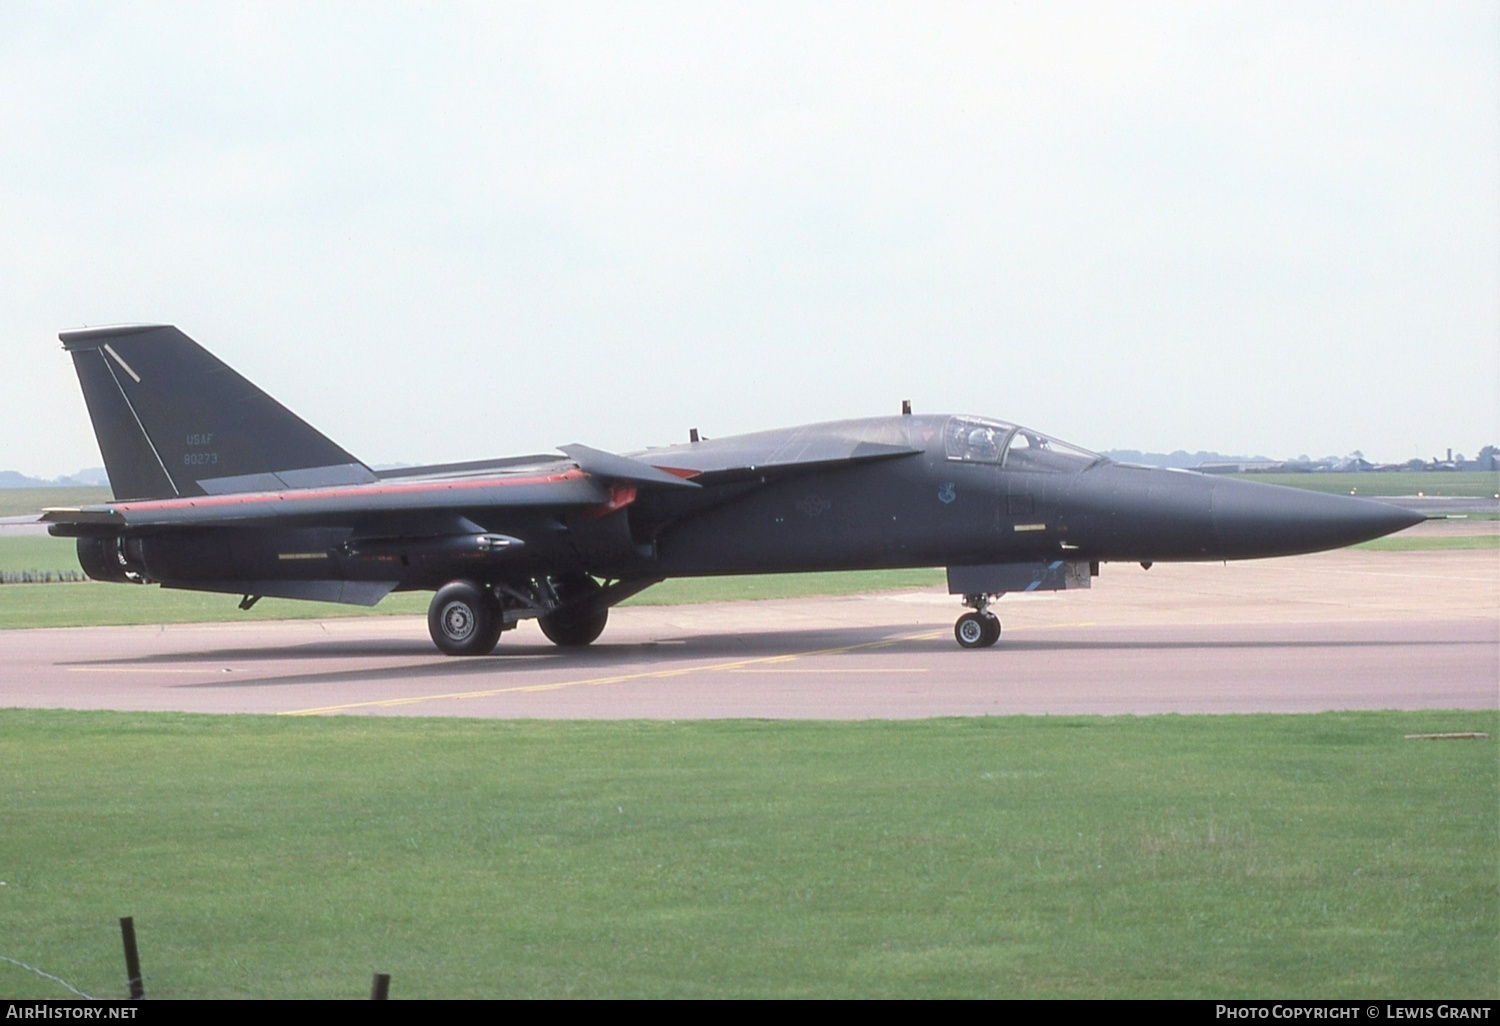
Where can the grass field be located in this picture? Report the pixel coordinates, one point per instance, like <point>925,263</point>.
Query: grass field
<point>92,604</point>
<point>16,502</point>
<point>37,552</point>
<point>1219,856</point>
<point>1444,543</point>
<point>1473,484</point>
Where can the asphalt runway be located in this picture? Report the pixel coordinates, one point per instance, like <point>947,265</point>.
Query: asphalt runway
<point>1345,630</point>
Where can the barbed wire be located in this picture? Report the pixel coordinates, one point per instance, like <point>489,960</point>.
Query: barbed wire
<point>54,979</point>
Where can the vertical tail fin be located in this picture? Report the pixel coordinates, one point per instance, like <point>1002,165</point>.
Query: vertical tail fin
<point>174,420</point>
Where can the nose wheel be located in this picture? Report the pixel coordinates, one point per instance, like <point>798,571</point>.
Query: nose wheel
<point>980,628</point>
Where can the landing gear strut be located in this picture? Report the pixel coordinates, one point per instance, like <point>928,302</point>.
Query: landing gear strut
<point>980,628</point>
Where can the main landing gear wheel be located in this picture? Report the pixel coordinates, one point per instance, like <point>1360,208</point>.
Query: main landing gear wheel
<point>977,630</point>
<point>574,627</point>
<point>464,619</point>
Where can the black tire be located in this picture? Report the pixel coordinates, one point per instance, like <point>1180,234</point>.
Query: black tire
<point>977,630</point>
<point>992,623</point>
<point>464,619</point>
<point>574,628</point>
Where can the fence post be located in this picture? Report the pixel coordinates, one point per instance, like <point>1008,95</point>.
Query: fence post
<point>132,958</point>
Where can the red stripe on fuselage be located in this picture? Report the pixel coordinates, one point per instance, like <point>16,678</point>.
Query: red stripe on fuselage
<point>344,491</point>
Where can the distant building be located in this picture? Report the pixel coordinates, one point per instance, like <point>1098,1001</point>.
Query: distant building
<point>1241,467</point>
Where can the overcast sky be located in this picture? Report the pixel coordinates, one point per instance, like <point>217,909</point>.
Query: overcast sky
<point>443,231</point>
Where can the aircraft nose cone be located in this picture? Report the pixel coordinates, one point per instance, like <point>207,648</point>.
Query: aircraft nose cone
<point>1251,519</point>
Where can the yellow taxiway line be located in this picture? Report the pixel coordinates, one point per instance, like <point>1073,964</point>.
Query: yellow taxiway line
<point>740,665</point>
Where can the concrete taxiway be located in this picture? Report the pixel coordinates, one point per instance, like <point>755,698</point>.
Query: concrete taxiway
<point>1354,629</point>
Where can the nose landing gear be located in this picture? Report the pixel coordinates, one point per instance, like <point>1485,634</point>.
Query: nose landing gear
<point>980,628</point>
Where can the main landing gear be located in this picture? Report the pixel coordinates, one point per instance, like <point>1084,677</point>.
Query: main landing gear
<point>466,618</point>
<point>980,628</point>
<point>576,622</point>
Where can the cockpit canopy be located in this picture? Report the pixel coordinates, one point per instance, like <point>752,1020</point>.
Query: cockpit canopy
<point>978,440</point>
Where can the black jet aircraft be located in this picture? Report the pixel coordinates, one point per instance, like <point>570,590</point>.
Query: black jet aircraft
<point>220,488</point>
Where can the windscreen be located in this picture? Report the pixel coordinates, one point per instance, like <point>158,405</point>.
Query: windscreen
<point>1029,450</point>
<point>978,440</point>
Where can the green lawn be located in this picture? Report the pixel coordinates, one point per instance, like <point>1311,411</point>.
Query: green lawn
<point>1176,856</point>
<point>1472,484</point>
<point>1438,544</point>
<point>37,552</point>
<point>93,604</point>
<point>90,604</point>
<point>688,590</point>
<point>16,502</point>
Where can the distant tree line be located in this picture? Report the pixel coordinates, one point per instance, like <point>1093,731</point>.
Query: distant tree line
<point>1212,462</point>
